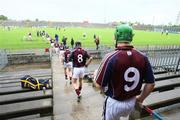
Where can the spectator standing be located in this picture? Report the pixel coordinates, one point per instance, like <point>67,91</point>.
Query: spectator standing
<point>56,37</point>
<point>97,41</point>
<point>72,42</point>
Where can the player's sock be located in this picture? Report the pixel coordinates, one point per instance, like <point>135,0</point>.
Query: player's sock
<point>77,92</point>
<point>70,78</point>
<point>79,97</point>
<point>66,77</point>
<point>80,87</point>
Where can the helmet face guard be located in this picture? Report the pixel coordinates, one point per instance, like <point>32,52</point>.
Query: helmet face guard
<point>123,33</point>
<point>78,44</point>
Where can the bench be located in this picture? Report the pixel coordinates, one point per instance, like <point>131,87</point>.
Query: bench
<point>9,84</point>
<point>18,80</point>
<point>33,117</point>
<point>162,99</point>
<point>19,76</point>
<point>26,96</point>
<point>12,90</point>
<point>44,118</point>
<point>26,108</point>
<point>17,102</point>
<point>167,77</point>
<point>166,85</point>
<point>166,93</point>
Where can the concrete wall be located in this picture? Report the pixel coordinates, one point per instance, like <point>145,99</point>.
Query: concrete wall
<point>27,58</point>
<point>95,54</point>
<point>23,58</point>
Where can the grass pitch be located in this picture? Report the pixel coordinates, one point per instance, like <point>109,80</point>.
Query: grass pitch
<point>17,38</point>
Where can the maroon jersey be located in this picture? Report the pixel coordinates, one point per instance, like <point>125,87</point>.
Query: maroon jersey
<point>51,41</point>
<point>67,55</point>
<point>122,72</point>
<point>61,47</point>
<point>79,57</point>
<point>56,45</point>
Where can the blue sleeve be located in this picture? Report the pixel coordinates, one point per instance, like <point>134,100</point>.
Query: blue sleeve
<point>106,84</point>
<point>149,76</point>
<point>107,74</point>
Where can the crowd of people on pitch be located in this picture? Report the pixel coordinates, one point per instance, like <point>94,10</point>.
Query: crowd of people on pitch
<point>43,34</point>
<point>58,46</point>
<point>54,41</point>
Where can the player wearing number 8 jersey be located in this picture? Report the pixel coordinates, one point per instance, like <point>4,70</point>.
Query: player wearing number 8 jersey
<point>121,74</point>
<point>79,59</point>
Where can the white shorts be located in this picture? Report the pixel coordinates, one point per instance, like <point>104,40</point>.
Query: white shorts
<point>48,39</point>
<point>68,65</point>
<point>114,109</point>
<point>56,50</point>
<point>52,44</point>
<point>61,52</point>
<point>78,72</point>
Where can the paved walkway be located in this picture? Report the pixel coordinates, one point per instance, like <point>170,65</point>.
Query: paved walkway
<point>66,106</point>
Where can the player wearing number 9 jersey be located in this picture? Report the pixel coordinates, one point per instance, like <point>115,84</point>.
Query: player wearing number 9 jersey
<point>121,74</point>
<point>79,59</point>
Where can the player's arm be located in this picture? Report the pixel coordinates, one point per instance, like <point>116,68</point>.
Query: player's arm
<point>96,77</point>
<point>96,85</point>
<point>88,61</point>
<point>149,83</point>
<point>103,75</point>
<point>148,88</point>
